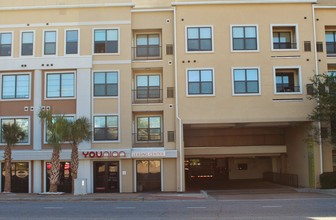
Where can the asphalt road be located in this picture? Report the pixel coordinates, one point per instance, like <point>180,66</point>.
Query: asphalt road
<point>301,208</point>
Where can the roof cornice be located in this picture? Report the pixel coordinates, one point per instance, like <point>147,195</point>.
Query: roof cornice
<point>243,2</point>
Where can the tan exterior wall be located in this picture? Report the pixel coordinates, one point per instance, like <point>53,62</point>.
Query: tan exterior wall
<point>170,177</point>
<point>127,180</point>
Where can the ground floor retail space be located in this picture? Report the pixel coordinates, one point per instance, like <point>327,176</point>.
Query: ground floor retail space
<point>101,175</point>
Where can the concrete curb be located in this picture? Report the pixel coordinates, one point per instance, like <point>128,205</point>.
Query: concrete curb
<point>311,190</point>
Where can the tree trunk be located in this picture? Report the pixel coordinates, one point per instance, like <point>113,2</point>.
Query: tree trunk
<point>8,169</point>
<point>74,165</point>
<point>54,171</point>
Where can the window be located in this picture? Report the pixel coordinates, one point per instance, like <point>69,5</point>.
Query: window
<point>199,39</point>
<point>334,160</point>
<point>105,128</point>
<point>331,43</point>
<point>244,38</point>
<point>200,82</point>
<point>50,43</point>
<point>23,123</point>
<point>148,86</point>
<point>106,41</point>
<point>48,133</point>
<point>27,43</point>
<point>106,84</point>
<point>149,128</point>
<point>246,81</point>
<point>148,45</point>
<point>71,42</point>
<point>5,44</point>
<point>287,80</point>
<point>284,37</point>
<point>60,85</point>
<point>15,86</point>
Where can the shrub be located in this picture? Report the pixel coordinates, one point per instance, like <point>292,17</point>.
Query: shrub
<point>328,180</point>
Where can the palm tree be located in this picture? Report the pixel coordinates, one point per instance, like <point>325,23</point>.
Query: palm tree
<point>56,129</point>
<point>78,131</point>
<point>11,134</point>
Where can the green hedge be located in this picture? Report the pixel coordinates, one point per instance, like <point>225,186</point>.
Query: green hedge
<point>328,180</point>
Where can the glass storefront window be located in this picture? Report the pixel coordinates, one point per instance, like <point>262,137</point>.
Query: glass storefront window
<point>20,177</point>
<point>148,175</point>
<point>65,179</point>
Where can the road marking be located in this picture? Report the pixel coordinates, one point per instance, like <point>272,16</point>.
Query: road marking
<point>53,207</point>
<point>196,207</point>
<point>125,207</point>
<point>272,206</point>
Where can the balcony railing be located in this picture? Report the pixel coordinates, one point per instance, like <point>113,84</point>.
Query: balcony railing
<point>287,88</point>
<point>331,49</point>
<point>147,95</point>
<point>148,139</point>
<point>147,52</point>
<point>286,45</point>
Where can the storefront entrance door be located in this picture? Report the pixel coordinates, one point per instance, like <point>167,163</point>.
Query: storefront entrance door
<point>106,176</point>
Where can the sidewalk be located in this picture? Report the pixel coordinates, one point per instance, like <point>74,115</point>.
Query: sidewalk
<point>102,196</point>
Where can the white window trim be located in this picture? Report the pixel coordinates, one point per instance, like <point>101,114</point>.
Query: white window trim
<point>56,46</point>
<point>105,97</point>
<point>78,40</point>
<point>93,127</point>
<point>213,83</point>
<point>244,25</point>
<point>16,73</point>
<point>34,43</point>
<point>199,26</point>
<point>45,128</point>
<point>12,45</point>
<point>296,26</point>
<point>29,128</point>
<point>299,79</point>
<point>245,94</point>
<point>93,41</point>
<point>59,72</point>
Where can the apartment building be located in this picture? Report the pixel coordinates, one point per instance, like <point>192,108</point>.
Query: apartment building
<point>179,93</point>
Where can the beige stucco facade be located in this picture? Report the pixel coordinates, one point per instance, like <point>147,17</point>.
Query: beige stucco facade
<point>167,85</point>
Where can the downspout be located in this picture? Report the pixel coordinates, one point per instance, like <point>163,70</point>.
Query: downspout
<point>316,74</point>
<point>177,106</point>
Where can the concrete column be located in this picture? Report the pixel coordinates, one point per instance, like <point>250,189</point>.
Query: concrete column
<point>37,178</point>
<point>37,138</point>
<point>275,164</point>
<point>85,171</point>
<point>83,95</point>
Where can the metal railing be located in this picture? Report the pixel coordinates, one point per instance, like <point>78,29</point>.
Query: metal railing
<point>147,52</point>
<point>287,88</point>
<point>285,45</point>
<point>147,95</point>
<point>148,140</point>
<point>282,178</point>
<point>331,49</point>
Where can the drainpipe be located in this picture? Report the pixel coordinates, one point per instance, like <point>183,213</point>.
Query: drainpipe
<point>177,106</point>
<point>316,74</point>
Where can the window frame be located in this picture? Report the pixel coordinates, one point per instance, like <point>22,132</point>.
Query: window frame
<point>105,71</point>
<point>78,42</point>
<point>299,78</point>
<point>330,55</point>
<point>296,34</point>
<point>21,42</point>
<point>244,25</point>
<point>12,44</point>
<point>148,127</point>
<point>200,51</point>
<point>93,41</point>
<point>56,43</point>
<point>93,128</point>
<point>14,118</point>
<point>200,94</point>
<point>233,81</point>
<point>148,45</point>
<point>59,97</point>
<point>16,74</point>
<point>148,87</point>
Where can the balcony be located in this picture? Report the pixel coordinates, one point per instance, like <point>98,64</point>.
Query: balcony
<point>145,139</point>
<point>147,95</point>
<point>147,52</point>
<point>287,88</point>
<point>284,45</point>
<point>331,49</point>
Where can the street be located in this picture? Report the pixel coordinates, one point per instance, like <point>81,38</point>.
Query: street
<point>293,208</point>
